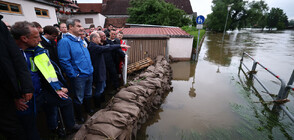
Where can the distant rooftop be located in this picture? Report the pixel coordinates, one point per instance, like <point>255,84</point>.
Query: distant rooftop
<point>119,7</point>
<point>90,7</point>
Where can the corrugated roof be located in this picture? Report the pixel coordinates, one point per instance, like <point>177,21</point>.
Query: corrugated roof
<point>90,7</point>
<point>172,32</point>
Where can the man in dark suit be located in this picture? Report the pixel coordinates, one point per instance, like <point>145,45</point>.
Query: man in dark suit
<point>96,52</point>
<point>63,30</point>
<point>16,87</point>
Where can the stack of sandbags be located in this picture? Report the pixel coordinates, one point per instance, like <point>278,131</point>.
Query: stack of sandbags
<point>129,108</point>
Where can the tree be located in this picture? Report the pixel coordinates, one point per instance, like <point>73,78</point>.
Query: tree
<point>291,22</point>
<point>257,14</point>
<point>156,12</point>
<point>277,18</point>
<point>216,20</point>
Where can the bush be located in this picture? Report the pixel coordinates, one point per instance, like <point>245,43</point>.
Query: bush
<point>194,32</point>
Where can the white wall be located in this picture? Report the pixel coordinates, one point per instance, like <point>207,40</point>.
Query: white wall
<point>98,19</point>
<point>180,47</point>
<point>28,13</point>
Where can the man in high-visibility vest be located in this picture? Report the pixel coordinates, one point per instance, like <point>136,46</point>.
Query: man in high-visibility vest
<point>27,38</point>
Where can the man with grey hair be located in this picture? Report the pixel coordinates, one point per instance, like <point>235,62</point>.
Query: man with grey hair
<point>99,76</point>
<point>27,38</point>
<point>75,60</point>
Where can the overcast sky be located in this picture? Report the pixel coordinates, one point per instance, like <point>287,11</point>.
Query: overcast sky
<point>203,7</point>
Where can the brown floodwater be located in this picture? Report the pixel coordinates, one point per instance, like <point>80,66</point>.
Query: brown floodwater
<point>210,100</point>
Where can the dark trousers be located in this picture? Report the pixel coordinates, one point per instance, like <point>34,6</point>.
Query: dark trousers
<point>50,102</point>
<point>30,126</point>
<point>10,125</point>
<point>112,75</point>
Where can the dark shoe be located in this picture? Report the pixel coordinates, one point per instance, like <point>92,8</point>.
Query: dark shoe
<point>80,119</point>
<point>60,132</point>
<point>74,129</point>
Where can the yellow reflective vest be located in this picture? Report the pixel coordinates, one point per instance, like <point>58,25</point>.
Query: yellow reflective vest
<point>43,63</point>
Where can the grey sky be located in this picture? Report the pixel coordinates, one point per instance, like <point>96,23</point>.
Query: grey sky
<point>203,7</point>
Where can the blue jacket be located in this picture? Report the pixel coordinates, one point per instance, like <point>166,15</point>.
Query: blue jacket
<point>74,57</point>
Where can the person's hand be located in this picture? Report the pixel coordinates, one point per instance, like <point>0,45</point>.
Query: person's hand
<point>21,104</point>
<point>61,94</point>
<point>65,90</point>
<point>125,46</point>
<point>27,96</point>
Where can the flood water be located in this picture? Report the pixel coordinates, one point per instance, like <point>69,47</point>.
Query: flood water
<point>210,100</point>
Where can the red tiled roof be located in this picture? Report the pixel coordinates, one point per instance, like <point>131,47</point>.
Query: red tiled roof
<point>90,7</point>
<point>155,31</point>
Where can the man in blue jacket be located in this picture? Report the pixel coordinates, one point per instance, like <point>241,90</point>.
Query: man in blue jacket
<point>75,60</point>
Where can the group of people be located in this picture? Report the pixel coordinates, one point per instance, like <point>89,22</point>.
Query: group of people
<point>39,67</point>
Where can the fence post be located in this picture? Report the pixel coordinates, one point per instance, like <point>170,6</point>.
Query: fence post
<point>286,88</point>
<point>125,69</point>
<point>253,70</point>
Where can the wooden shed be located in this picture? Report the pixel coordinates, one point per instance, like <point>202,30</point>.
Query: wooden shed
<point>151,42</point>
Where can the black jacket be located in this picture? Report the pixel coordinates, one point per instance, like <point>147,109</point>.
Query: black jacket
<point>51,47</point>
<point>15,78</point>
<point>97,58</point>
<point>117,55</point>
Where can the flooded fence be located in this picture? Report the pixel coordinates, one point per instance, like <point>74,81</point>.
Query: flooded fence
<point>283,93</point>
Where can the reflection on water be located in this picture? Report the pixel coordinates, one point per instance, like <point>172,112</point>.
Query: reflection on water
<point>211,101</point>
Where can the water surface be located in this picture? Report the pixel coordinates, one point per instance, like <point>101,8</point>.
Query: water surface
<point>210,100</point>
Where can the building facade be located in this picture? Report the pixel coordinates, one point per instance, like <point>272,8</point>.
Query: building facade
<point>21,10</point>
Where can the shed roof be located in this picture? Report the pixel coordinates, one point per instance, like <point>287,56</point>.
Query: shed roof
<point>172,32</point>
<point>90,7</point>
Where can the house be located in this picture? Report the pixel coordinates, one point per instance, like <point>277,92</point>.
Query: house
<point>151,42</point>
<point>45,12</point>
<point>30,10</point>
<point>117,14</point>
<point>90,13</point>
<point>65,9</point>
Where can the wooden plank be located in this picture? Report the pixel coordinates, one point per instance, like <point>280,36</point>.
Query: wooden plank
<point>139,65</point>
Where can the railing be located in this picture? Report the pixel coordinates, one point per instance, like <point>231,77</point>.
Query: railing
<point>284,89</point>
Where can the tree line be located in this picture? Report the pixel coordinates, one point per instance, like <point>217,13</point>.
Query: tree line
<point>243,14</point>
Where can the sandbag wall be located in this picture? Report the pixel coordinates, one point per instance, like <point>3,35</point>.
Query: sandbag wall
<point>129,108</point>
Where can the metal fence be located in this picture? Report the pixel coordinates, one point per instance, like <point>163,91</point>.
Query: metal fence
<point>284,88</point>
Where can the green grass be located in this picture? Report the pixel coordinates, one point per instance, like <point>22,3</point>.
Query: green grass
<point>194,32</point>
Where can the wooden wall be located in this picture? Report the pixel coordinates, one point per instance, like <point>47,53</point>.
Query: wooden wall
<point>146,47</point>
